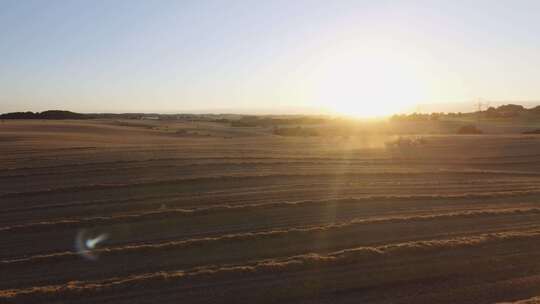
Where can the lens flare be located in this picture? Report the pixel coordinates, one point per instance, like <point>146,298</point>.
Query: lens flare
<point>85,244</point>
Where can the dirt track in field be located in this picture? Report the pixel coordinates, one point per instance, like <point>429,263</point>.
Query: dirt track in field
<point>240,216</point>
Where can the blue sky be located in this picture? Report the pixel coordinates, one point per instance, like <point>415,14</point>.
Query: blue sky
<point>366,57</point>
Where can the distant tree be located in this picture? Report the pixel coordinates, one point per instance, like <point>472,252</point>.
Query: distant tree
<point>535,110</point>
<point>53,114</point>
<point>510,110</point>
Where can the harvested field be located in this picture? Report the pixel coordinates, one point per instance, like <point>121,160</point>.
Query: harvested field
<point>244,216</point>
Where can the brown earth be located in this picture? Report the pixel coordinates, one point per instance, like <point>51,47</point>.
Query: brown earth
<point>199,212</point>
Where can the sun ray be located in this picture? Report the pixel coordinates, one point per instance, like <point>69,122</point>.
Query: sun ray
<point>368,83</point>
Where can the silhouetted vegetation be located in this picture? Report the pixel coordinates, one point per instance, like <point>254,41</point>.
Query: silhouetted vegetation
<point>469,129</point>
<point>508,111</point>
<point>405,142</point>
<point>258,121</point>
<point>502,112</point>
<point>53,114</point>
<point>420,116</point>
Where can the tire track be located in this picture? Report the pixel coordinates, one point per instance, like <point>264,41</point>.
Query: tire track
<point>262,267</point>
<point>120,250</point>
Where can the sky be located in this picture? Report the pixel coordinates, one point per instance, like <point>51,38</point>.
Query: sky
<point>365,58</point>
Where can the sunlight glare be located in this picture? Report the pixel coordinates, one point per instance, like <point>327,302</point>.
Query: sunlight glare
<point>369,83</point>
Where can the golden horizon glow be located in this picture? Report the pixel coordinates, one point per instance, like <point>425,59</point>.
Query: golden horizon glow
<point>369,83</point>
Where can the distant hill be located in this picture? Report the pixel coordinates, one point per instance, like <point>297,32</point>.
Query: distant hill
<point>503,112</point>
<point>58,114</point>
<point>52,114</point>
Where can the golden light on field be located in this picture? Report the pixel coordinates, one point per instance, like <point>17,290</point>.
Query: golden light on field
<point>369,83</point>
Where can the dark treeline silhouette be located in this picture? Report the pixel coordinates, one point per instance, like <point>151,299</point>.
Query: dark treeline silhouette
<point>52,114</point>
<point>508,111</point>
<point>501,112</point>
<point>469,129</point>
<point>59,114</point>
<point>257,121</point>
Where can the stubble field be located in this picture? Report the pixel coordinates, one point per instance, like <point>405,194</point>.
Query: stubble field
<point>236,215</point>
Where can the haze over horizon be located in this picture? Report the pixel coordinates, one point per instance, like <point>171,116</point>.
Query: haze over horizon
<point>362,58</point>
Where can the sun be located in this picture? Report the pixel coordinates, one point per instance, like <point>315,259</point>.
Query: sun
<point>372,83</point>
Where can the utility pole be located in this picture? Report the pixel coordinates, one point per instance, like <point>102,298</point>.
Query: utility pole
<point>479,108</point>
<point>480,105</point>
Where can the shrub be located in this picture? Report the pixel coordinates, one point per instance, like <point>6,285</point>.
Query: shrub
<point>469,129</point>
<point>405,142</point>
